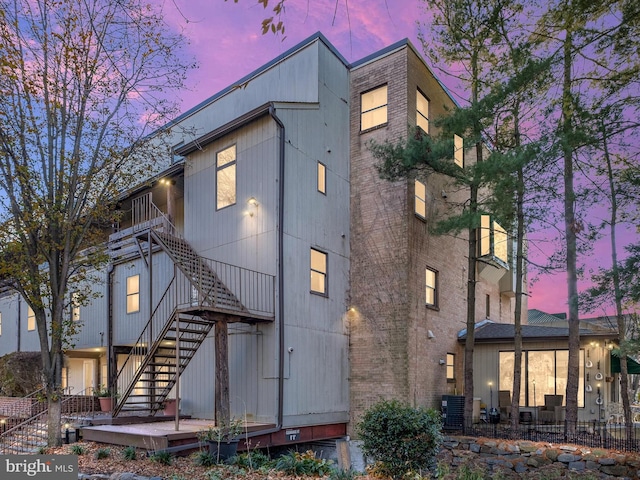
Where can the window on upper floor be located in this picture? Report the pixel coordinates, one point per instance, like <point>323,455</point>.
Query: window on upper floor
<point>373,108</point>
<point>226,177</point>
<point>493,239</point>
<point>322,178</point>
<point>75,306</point>
<point>133,294</point>
<point>458,151</point>
<point>31,319</point>
<point>431,287</point>
<point>422,111</point>
<point>318,272</point>
<point>420,192</point>
<point>451,367</point>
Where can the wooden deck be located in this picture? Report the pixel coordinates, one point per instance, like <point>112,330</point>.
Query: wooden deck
<point>156,435</point>
<point>159,433</point>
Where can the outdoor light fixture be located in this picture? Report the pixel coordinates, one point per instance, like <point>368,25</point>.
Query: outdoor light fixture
<point>252,206</point>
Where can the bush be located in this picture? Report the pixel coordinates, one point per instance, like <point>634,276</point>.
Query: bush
<point>103,453</point>
<point>299,464</point>
<point>129,453</point>
<point>402,438</point>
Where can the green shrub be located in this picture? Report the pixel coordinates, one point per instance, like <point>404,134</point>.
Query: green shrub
<point>78,449</point>
<point>162,457</point>
<point>204,459</point>
<point>103,453</point>
<point>129,453</point>
<point>402,438</point>
<point>342,474</point>
<point>306,463</point>
<point>252,460</point>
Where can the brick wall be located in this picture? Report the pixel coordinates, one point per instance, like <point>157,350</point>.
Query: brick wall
<point>391,354</point>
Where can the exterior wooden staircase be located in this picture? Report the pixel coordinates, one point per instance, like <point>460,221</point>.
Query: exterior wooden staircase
<point>201,293</point>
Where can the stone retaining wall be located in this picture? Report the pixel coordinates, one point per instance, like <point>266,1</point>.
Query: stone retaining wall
<point>522,456</point>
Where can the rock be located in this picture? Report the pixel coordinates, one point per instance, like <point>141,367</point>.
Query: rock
<point>606,461</point>
<point>577,466</point>
<point>568,458</point>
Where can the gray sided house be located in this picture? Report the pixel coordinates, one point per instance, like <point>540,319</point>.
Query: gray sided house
<point>268,270</point>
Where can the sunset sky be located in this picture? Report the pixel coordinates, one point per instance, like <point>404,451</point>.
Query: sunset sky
<point>226,40</point>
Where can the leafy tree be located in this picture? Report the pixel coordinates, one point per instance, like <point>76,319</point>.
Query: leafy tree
<point>82,83</point>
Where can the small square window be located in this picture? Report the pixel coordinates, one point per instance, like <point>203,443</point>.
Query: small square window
<point>458,151</point>
<point>31,319</point>
<point>318,272</point>
<point>133,294</point>
<point>422,111</point>
<point>451,367</point>
<point>226,177</point>
<point>420,199</point>
<point>322,178</point>
<point>431,287</point>
<point>373,108</point>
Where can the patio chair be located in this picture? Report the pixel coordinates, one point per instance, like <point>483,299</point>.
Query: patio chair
<point>504,404</point>
<point>552,411</point>
<point>615,413</point>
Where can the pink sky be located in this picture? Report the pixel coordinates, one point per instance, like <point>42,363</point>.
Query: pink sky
<point>226,40</point>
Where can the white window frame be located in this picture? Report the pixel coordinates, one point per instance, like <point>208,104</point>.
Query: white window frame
<point>318,263</point>
<point>451,367</point>
<point>420,202</point>
<point>226,177</point>
<point>374,103</point>
<point>322,178</point>
<point>133,293</point>
<point>31,319</point>
<point>494,240</point>
<point>431,287</point>
<point>422,111</point>
<point>458,150</point>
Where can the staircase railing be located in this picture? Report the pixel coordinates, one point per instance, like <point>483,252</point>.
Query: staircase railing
<point>138,357</point>
<point>255,291</point>
<point>31,433</point>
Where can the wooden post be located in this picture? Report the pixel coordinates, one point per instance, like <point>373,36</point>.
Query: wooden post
<point>222,371</point>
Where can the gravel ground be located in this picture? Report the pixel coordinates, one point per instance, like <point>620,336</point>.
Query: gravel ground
<point>181,468</point>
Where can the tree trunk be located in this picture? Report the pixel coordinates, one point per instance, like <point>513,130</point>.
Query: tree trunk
<point>571,229</point>
<point>222,412</point>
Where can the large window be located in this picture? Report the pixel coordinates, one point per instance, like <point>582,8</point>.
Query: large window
<point>322,178</point>
<point>422,111</point>
<point>431,287</point>
<point>373,108</point>
<point>318,272</point>
<point>133,294</point>
<point>31,319</point>
<point>458,151</point>
<point>420,196</point>
<point>544,372</point>
<point>226,177</point>
<point>493,239</point>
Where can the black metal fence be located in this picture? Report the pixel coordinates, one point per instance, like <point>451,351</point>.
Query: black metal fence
<point>592,434</point>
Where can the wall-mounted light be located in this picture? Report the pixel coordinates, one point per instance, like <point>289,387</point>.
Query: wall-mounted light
<point>430,334</point>
<point>166,181</point>
<point>441,361</point>
<point>252,206</point>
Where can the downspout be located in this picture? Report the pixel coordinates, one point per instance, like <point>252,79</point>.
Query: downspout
<point>19,322</point>
<point>281,189</point>
<point>111,361</point>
